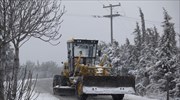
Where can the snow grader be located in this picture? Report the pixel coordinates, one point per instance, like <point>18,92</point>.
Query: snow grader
<point>83,77</point>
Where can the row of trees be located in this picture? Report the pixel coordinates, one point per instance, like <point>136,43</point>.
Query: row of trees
<point>43,70</point>
<point>154,59</point>
<point>19,21</point>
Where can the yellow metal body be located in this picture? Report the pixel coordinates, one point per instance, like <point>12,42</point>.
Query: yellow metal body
<point>80,71</point>
<point>65,71</point>
<point>86,70</point>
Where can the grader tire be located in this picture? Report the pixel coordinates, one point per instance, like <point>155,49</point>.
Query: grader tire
<point>56,80</point>
<point>80,95</point>
<point>118,96</point>
<point>60,81</point>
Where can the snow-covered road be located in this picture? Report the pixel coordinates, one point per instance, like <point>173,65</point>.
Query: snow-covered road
<point>44,87</point>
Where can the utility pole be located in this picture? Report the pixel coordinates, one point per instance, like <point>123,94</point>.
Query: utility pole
<point>179,40</point>
<point>111,17</point>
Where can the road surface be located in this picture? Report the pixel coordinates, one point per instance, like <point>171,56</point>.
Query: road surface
<point>44,88</point>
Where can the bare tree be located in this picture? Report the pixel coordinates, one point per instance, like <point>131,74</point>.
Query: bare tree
<point>5,38</point>
<point>40,19</point>
<point>23,19</point>
<point>25,87</point>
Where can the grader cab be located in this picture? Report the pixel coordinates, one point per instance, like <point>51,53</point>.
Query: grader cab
<point>83,76</point>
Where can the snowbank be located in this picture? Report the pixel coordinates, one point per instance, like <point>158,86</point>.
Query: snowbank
<point>134,97</point>
<point>46,96</point>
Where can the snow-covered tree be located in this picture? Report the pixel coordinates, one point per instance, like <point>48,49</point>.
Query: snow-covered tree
<point>40,19</point>
<point>156,37</point>
<point>166,53</point>
<point>126,58</point>
<point>22,19</point>
<point>143,26</point>
<point>120,57</point>
<point>154,60</point>
<point>138,41</point>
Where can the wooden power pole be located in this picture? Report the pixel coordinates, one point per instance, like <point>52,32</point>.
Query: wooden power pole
<point>179,40</point>
<point>111,17</point>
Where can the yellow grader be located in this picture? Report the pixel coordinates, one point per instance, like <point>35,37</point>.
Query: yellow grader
<point>82,77</point>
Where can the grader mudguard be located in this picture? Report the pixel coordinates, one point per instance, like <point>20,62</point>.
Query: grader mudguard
<point>61,87</point>
<point>108,85</point>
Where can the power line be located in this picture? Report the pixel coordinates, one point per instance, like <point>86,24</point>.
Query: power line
<point>121,16</point>
<point>140,19</point>
<point>84,15</point>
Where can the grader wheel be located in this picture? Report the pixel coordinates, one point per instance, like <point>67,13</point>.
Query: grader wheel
<point>118,96</point>
<point>79,92</point>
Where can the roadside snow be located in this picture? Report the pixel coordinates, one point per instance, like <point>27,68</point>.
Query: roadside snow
<point>45,92</point>
<point>134,97</point>
<point>46,96</point>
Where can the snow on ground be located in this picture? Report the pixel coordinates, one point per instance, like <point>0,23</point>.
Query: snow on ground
<point>44,89</point>
<point>46,96</point>
<point>134,97</point>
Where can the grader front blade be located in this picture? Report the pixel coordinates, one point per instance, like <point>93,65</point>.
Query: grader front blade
<point>108,85</point>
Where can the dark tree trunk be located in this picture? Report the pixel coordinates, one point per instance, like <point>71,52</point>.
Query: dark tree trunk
<point>1,83</point>
<point>15,71</point>
<point>2,70</point>
<point>167,88</point>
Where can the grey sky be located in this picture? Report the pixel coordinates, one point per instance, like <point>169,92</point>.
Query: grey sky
<point>78,23</point>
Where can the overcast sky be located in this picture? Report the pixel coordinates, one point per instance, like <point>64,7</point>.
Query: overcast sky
<point>79,23</point>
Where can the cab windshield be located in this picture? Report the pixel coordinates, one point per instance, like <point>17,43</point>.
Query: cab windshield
<point>86,50</point>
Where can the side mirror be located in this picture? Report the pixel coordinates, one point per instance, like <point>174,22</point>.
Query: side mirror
<point>99,53</point>
<point>69,52</point>
<point>80,52</point>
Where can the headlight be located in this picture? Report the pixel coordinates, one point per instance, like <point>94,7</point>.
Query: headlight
<point>99,70</point>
